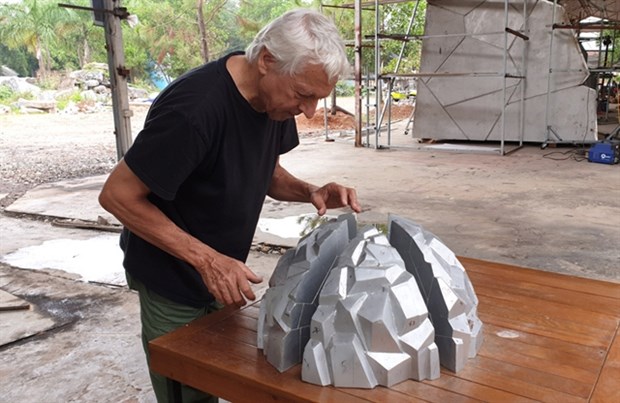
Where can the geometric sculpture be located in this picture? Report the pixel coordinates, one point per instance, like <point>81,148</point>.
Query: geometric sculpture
<point>359,310</point>
<point>447,291</point>
<point>371,326</point>
<point>290,302</point>
<point>463,53</point>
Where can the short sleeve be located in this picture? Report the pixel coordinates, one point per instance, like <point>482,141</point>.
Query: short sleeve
<point>166,152</point>
<point>290,136</point>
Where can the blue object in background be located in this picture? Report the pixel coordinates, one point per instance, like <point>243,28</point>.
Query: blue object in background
<point>158,78</point>
<point>604,153</point>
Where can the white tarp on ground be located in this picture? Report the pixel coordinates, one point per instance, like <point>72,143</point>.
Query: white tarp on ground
<point>469,107</point>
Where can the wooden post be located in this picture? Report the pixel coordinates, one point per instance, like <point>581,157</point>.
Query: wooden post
<point>118,78</point>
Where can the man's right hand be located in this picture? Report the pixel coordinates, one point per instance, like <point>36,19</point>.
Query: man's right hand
<point>228,279</point>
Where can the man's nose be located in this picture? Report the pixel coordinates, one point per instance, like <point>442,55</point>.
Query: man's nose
<point>308,107</point>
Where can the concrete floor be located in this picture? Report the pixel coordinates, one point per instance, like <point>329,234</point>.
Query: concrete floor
<point>546,209</point>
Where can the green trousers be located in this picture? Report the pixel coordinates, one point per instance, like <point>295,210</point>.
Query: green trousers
<point>160,316</point>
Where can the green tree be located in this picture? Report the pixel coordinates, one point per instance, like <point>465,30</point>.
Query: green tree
<point>169,34</point>
<point>252,15</point>
<point>396,19</point>
<point>36,25</point>
<point>18,59</point>
<point>207,17</point>
<point>610,46</point>
<point>84,42</point>
<point>177,35</point>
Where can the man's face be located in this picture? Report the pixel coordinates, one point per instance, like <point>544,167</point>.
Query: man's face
<point>285,96</point>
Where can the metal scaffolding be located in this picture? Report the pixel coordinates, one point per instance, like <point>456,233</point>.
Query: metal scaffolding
<point>378,83</point>
<point>603,68</point>
<point>382,108</point>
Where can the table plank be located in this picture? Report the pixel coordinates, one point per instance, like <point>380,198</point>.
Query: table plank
<point>541,323</point>
<point>608,386</point>
<point>230,369</point>
<point>449,381</point>
<point>517,387</point>
<point>546,339</point>
<point>571,380</point>
<point>580,284</point>
<point>545,294</point>
<point>561,349</point>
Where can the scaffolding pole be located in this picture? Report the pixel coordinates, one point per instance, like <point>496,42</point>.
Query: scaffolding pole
<point>378,86</point>
<point>525,38</point>
<point>548,129</point>
<point>381,110</point>
<point>358,72</point>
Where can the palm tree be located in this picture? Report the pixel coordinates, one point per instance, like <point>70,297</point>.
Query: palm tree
<point>35,25</point>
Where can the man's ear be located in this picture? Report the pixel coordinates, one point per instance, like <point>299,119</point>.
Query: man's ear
<point>266,61</point>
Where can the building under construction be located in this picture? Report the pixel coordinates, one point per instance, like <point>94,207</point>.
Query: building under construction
<point>502,71</point>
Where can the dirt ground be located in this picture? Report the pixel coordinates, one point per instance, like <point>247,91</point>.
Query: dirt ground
<point>545,209</point>
<point>342,119</point>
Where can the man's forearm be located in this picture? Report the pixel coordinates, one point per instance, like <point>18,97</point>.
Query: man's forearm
<point>140,216</point>
<point>286,187</point>
<point>150,224</point>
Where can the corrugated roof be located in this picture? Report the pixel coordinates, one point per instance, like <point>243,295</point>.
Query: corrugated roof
<point>578,10</point>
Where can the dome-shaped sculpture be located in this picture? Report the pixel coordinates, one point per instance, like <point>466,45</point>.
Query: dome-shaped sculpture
<point>361,309</point>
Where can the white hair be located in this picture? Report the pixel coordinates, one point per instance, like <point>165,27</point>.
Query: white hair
<point>301,37</point>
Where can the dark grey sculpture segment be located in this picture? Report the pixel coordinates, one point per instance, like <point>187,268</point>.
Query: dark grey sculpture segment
<point>446,288</point>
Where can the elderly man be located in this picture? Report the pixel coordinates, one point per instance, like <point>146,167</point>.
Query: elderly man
<point>190,190</point>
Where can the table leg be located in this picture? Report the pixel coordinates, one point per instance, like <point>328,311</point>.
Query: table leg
<point>174,391</point>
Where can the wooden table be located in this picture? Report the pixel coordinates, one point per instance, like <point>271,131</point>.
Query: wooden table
<point>547,337</point>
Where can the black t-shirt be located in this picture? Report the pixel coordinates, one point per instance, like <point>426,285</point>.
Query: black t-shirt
<point>208,158</point>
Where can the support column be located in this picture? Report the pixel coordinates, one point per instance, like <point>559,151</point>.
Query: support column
<point>118,76</point>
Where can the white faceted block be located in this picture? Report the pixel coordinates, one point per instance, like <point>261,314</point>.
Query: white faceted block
<point>315,367</point>
<point>433,369</point>
<point>390,368</point>
<point>469,106</point>
<point>419,343</point>
<point>350,367</point>
<point>322,324</point>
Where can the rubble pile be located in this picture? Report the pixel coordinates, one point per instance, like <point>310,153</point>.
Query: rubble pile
<point>86,90</point>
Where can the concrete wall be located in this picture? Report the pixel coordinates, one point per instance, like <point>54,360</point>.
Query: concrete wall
<point>466,107</point>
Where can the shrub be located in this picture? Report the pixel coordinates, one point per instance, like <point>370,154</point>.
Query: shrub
<point>6,94</point>
<point>64,100</point>
<point>345,88</point>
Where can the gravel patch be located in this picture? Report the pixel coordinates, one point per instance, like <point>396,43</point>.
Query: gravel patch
<point>43,148</point>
